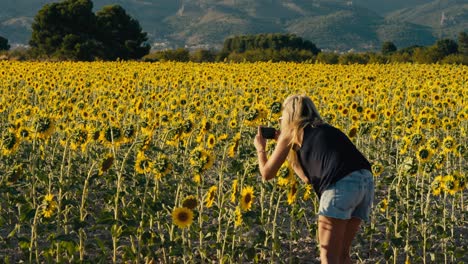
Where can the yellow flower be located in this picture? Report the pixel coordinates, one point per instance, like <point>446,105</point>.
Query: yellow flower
<point>142,163</point>
<point>196,178</point>
<point>211,141</point>
<point>182,217</point>
<point>49,205</point>
<point>247,198</point>
<point>234,191</point>
<point>437,185</point>
<point>292,194</point>
<point>450,184</point>
<point>448,144</point>
<point>238,214</point>
<point>190,202</point>
<point>377,169</point>
<point>210,196</point>
<point>49,197</point>
<point>352,132</point>
<point>383,205</point>
<point>10,143</point>
<point>433,143</point>
<point>44,127</point>
<point>106,163</point>
<point>423,154</point>
<point>307,192</point>
<point>161,166</point>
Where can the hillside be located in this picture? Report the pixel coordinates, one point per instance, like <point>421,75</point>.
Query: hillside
<point>331,24</point>
<point>446,17</point>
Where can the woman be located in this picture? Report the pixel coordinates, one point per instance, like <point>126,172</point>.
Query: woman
<point>323,156</point>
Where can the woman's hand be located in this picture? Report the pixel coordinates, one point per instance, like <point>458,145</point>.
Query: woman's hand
<point>277,134</point>
<point>259,141</point>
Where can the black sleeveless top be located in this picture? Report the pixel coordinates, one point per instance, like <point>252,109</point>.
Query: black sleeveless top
<point>327,155</point>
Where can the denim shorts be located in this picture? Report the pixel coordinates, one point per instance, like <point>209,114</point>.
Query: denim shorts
<point>349,197</point>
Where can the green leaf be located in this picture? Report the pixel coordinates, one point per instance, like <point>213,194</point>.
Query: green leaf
<point>101,246</point>
<point>250,253</point>
<point>24,243</point>
<point>65,238</point>
<point>27,215</point>
<point>13,232</point>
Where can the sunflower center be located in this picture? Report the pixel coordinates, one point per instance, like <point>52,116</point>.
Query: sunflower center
<point>183,216</point>
<point>247,198</point>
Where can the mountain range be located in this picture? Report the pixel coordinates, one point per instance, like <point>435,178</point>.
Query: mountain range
<point>331,24</point>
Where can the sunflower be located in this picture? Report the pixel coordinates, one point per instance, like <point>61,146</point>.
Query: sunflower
<point>190,202</point>
<point>375,132</point>
<point>383,205</point>
<point>247,197</point>
<point>437,185</point>
<point>352,132</point>
<point>24,133</point>
<point>397,132</point>
<point>448,144</point>
<point>234,191</point>
<point>210,196</point>
<point>433,143</point>
<point>450,184</point>
<point>182,217</point>
<point>377,169</point>
<point>403,145</point>
<point>233,123</point>
<point>234,145</point>
<point>79,138</point>
<point>222,137</point>
<point>201,160</point>
<point>162,166</point>
<point>211,141</point>
<point>111,135</point>
<point>106,163</point>
<point>424,154</point>
<point>44,127</point>
<point>461,178</point>
<point>307,192</point>
<point>292,194</point>
<point>142,163</point>
<point>49,205</point>
<point>196,178</point>
<point>440,159</point>
<point>460,150</point>
<point>416,140</point>
<point>238,214</point>
<point>205,125</point>
<point>10,143</point>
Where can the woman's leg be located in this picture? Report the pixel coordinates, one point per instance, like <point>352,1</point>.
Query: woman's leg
<point>351,230</point>
<point>331,237</point>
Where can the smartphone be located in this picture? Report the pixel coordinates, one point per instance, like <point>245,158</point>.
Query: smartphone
<point>268,132</point>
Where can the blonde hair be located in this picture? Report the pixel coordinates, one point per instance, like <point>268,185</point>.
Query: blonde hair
<point>299,111</point>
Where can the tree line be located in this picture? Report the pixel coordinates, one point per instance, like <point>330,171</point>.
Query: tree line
<point>287,47</point>
<point>69,30</point>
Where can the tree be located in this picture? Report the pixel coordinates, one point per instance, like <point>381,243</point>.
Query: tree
<point>120,34</point>
<point>65,29</point>
<point>463,43</point>
<point>202,55</point>
<point>240,44</point>
<point>445,47</point>
<point>70,30</point>
<point>388,48</point>
<point>328,58</point>
<point>4,44</point>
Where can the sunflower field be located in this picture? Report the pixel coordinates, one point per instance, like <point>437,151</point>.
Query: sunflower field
<point>132,162</point>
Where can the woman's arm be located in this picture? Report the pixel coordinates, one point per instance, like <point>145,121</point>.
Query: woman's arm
<point>270,166</point>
